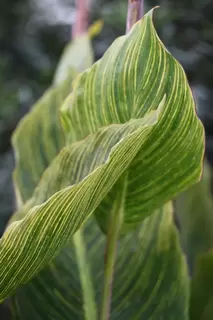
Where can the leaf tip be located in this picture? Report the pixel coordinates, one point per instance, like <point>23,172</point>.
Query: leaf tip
<point>95,28</point>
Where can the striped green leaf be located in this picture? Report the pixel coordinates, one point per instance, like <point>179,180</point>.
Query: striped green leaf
<point>38,139</point>
<point>135,76</point>
<point>39,136</point>
<point>84,171</point>
<point>150,280</point>
<point>160,152</point>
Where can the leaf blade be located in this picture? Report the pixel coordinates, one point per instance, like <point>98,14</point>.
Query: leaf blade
<point>132,145</point>
<point>138,285</point>
<point>39,136</point>
<point>77,55</point>
<point>65,210</point>
<point>135,76</point>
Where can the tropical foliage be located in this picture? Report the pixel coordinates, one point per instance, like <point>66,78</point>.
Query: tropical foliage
<point>99,160</point>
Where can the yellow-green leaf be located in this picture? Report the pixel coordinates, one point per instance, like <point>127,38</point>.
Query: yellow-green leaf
<point>136,75</point>
<point>78,56</point>
<point>38,139</point>
<point>85,171</point>
<point>150,281</point>
<point>39,136</point>
<point>114,131</point>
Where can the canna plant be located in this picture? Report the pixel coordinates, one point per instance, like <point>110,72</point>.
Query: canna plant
<point>98,161</point>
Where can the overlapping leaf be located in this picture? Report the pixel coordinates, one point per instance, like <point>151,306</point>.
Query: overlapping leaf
<point>78,56</point>
<point>84,172</point>
<point>39,136</point>
<point>150,277</point>
<point>162,157</point>
<point>135,76</point>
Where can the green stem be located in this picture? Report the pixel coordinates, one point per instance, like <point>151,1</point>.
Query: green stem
<point>115,222</point>
<point>85,277</point>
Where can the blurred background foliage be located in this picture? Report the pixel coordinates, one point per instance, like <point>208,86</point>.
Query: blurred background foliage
<point>33,34</point>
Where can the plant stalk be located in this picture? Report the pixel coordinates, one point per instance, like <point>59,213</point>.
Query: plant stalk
<point>115,222</point>
<point>82,13</point>
<point>135,13</point>
<point>85,276</point>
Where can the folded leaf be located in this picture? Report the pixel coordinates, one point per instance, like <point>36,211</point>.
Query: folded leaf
<point>150,280</point>
<point>159,151</point>
<point>84,172</point>
<point>135,76</point>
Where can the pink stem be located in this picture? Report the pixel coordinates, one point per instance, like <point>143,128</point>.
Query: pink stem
<point>135,13</point>
<point>81,24</point>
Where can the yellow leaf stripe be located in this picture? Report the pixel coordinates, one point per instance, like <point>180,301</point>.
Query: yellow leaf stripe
<point>39,138</point>
<point>32,242</point>
<point>112,128</point>
<point>136,75</point>
<point>150,282</point>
